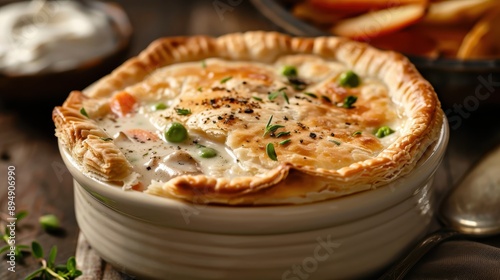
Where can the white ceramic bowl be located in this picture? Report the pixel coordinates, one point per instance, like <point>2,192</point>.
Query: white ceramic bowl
<point>349,237</point>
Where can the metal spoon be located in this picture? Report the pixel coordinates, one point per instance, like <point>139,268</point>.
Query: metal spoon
<point>471,209</point>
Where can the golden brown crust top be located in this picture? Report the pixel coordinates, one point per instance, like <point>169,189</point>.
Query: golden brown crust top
<point>312,165</point>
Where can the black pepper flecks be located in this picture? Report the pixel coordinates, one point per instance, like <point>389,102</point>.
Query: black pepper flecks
<point>312,135</point>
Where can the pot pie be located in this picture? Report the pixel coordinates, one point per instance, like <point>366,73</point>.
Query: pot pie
<point>252,118</point>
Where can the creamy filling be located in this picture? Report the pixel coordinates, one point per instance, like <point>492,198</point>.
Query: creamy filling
<point>154,158</point>
<point>49,36</point>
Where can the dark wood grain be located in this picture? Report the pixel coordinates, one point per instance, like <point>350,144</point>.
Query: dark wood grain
<point>45,186</point>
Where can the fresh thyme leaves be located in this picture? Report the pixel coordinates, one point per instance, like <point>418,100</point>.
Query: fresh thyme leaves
<point>183,111</point>
<point>335,142</point>
<point>349,101</point>
<point>384,131</point>
<point>270,129</point>
<point>224,80</point>
<point>284,142</point>
<point>273,95</point>
<point>310,94</point>
<point>282,133</point>
<point>49,269</point>
<point>356,133</point>
<point>257,98</point>
<point>49,223</point>
<point>19,249</point>
<point>271,153</point>
<point>21,215</point>
<point>269,122</point>
<point>286,97</point>
<point>83,112</point>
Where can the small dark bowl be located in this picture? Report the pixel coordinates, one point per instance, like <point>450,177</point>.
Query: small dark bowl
<point>463,86</point>
<point>55,86</point>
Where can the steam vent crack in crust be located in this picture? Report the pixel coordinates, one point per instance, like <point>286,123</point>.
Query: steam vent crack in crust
<point>239,94</point>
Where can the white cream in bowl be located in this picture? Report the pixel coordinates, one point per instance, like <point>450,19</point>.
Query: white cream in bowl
<point>52,36</point>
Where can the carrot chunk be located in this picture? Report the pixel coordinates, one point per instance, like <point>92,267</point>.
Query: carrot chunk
<point>122,103</point>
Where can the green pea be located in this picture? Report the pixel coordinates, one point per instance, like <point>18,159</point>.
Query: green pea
<point>160,106</point>
<point>349,79</point>
<point>383,131</point>
<point>176,133</point>
<point>206,152</point>
<point>289,71</point>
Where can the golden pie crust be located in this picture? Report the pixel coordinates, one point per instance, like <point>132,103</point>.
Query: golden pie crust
<point>332,150</point>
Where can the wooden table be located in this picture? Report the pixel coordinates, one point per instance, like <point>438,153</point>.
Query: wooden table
<point>45,186</point>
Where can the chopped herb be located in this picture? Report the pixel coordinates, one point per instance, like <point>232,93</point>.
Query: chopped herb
<point>224,80</point>
<point>273,95</point>
<point>200,89</point>
<point>203,64</point>
<point>106,139</point>
<point>271,153</point>
<point>289,71</point>
<point>273,128</point>
<point>356,133</point>
<point>83,112</point>
<point>348,101</point>
<point>206,152</point>
<point>176,133</point>
<point>284,142</point>
<point>49,269</point>
<point>383,131</point>
<point>159,106</point>
<point>311,94</point>
<point>269,121</point>
<point>283,133</point>
<point>183,111</point>
<point>257,98</point>
<point>286,97</point>
<point>349,79</point>
<point>335,142</point>
<point>326,98</point>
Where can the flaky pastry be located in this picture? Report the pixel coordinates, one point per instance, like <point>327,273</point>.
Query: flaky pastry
<point>252,118</point>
